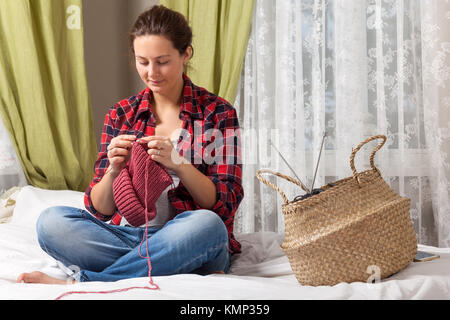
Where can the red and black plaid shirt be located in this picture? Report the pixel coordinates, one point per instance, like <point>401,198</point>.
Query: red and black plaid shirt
<point>209,139</point>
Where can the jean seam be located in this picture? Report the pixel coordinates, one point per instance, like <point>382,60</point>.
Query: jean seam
<point>53,254</point>
<point>106,226</point>
<point>200,256</point>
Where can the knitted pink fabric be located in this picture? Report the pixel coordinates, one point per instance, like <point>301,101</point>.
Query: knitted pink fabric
<point>139,185</point>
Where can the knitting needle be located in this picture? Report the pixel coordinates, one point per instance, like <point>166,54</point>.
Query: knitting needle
<point>309,191</point>
<point>318,160</point>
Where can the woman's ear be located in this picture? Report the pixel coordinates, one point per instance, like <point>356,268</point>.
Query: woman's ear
<point>187,55</point>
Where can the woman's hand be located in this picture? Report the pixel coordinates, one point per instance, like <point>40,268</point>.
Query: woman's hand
<point>119,152</point>
<point>199,186</point>
<point>161,150</point>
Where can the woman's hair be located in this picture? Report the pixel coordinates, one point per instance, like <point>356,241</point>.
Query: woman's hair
<point>161,21</point>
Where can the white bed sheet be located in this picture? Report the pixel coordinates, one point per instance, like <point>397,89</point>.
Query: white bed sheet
<point>262,271</point>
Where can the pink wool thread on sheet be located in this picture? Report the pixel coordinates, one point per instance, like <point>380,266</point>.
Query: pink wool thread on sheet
<point>136,178</point>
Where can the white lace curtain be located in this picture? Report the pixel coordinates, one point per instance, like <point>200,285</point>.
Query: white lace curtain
<point>354,69</point>
<point>11,172</point>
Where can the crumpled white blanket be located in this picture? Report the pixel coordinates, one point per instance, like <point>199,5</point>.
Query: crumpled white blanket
<point>261,271</point>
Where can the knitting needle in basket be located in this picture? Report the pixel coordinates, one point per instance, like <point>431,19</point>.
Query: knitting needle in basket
<point>285,161</point>
<point>318,160</point>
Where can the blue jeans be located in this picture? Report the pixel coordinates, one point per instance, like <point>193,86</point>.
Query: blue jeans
<point>193,242</point>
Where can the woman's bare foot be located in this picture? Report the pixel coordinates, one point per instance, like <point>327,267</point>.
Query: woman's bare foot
<point>39,277</point>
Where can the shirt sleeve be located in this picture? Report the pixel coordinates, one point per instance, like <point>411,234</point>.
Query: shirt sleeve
<point>226,170</point>
<point>101,164</point>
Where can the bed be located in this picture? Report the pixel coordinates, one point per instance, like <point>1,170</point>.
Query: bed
<point>260,272</point>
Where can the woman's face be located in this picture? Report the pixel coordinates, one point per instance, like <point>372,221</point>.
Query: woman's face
<point>158,63</point>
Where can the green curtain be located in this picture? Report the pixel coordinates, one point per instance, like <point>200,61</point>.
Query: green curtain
<point>221,29</point>
<point>44,99</point>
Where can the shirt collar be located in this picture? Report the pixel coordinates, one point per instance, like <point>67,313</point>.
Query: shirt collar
<point>144,98</point>
<point>191,104</point>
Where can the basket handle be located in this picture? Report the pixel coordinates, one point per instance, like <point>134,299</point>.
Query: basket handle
<point>372,155</point>
<point>270,184</point>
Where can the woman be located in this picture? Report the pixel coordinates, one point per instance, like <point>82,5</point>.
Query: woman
<point>180,124</point>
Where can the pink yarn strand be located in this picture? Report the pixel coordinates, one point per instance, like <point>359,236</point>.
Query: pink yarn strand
<point>154,285</point>
<point>104,292</point>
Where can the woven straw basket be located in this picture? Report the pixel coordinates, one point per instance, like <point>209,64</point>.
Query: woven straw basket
<point>352,229</point>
